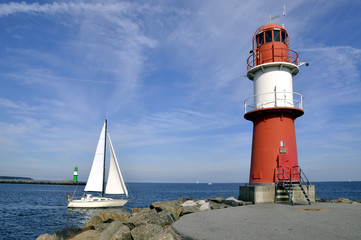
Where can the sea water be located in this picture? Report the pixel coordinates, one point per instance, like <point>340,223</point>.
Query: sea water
<point>29,210</point>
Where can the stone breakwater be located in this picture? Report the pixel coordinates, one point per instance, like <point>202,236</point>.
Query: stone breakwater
<point>63,182</point>
<point>153,223</point>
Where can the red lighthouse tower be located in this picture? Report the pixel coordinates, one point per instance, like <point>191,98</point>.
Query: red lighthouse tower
<point>273,109</point>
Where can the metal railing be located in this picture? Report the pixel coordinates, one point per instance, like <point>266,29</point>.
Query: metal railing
<point>272,55</point>
<point>273,99</point>
<point>287,179</point>
<point>302,177</point>
<point>283,173</point>
<point>297,177</point>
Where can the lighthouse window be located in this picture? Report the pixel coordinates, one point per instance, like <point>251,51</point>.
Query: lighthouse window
<point>284,37</point>
<point>268,36</point>
<point>277,35</point>
<point>260,40</point>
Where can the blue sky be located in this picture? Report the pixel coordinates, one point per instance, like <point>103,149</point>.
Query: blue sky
<point>170,76</point>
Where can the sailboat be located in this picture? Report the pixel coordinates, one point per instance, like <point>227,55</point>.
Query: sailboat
<point>96,180</point>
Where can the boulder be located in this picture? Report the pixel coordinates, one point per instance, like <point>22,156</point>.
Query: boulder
<point>321,200</point>
<point>115,230</point>
<point>189,203</point>
<point>85,235</point>
<point>205,206</point>
<point>201,202</point>
<point>46,237</point>
<point>146,231</point>
<point>163,205</point>
<point>232,203</point>
<point>93,221</point>
<point>167,234</point>
<point>140,210</point>
<point>240,203</point>
<point>65,232</point>
<point>215,205</point>
<point>173,206</point>
<point>216,200</point>
<point>106,217</point>
<point>121,217</point>
<point>189,209</point>
<point>342,200</point>
<point>162,218</point>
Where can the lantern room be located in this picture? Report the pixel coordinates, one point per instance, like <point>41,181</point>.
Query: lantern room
<point>271,43</point>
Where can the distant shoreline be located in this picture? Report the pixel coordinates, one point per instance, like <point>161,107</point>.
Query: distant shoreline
<point>64,182</point>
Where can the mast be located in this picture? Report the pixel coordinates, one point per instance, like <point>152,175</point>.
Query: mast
<point>105,150</point>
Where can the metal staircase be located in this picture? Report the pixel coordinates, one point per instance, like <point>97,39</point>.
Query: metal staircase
<point>293,185</point>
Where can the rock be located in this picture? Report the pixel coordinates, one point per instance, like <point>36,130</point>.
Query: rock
<point>215,205</point>
<point>84,229</point>
<point>163,205</point>
<point>123,233</point>
<point>247,203</point>
<point>162,218</point>
<point>189,203</point>
<point>173,206</point>
<point>46,237</point>
<point>121,217</point>
<point>93,221</point>
<point>145,231</point>
<point>104,217</point>
<point>167,234</point>
<point>189,209</point>
<point>342,200</point>
<point>205,206</point>
<point>216,200</point>
<point>356,203</point>
<point>232,203</point>
<point>234,199</point>
<point>140,210</point>
<point>115,230</point>
<point>201,202</point>
<point>321,200</point>
<point>85,235</point>
<point>66,232</point>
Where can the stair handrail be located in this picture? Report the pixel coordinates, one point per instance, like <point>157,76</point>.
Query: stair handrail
<point>283,174</point>
<point>302,175</point>
<point>288,191</point>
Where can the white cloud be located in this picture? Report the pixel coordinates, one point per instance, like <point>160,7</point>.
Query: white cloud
<point>169,74</point>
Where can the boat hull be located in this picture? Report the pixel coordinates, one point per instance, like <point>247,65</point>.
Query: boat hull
<point>97,203</point>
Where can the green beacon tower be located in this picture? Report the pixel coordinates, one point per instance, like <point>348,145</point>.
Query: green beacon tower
<point>75,177</point>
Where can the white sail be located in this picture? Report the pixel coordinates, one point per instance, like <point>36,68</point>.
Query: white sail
<point>95,179</point>
<point>115,183</point>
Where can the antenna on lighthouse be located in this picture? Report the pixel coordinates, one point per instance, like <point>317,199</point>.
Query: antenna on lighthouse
<point>272,18</point>
<point>284,15</point>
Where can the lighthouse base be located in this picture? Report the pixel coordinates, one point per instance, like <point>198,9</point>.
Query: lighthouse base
<point>270,193</point>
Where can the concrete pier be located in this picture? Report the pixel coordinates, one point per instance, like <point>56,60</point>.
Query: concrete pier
<point>322,221</point>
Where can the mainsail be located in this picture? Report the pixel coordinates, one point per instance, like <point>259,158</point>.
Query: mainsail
<point>95,179</point>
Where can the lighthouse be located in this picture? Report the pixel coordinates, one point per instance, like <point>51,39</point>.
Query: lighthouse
<point>75,176</point>
<point>275,173</point>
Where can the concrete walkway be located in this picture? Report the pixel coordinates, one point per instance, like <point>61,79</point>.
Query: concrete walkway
<point>274,221</point>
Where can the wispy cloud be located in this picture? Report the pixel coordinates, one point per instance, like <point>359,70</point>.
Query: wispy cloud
<point>171,78</point>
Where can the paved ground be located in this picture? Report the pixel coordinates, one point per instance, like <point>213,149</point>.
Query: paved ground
<point>274,221</point>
